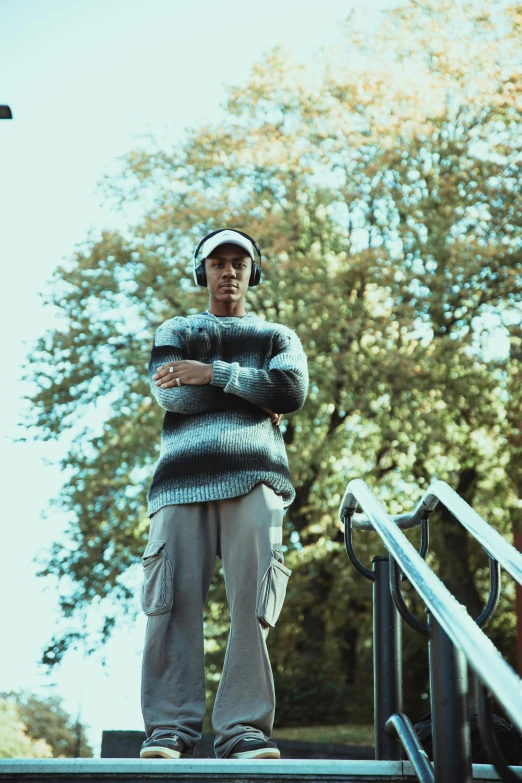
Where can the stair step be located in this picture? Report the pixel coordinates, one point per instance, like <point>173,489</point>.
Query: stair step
<point>207,770</point>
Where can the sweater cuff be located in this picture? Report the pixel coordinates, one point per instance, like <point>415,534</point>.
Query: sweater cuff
<point>221,373</point>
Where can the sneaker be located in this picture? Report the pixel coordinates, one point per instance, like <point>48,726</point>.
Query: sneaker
<point>253,748</point>
<point>171,747</point>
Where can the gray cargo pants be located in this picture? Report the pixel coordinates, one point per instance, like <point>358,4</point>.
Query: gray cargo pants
<point>178,562</point>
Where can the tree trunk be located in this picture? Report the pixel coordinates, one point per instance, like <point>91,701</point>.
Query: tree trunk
<point>454,545</point>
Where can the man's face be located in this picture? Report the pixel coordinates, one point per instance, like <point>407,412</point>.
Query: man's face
<point>228,264</point>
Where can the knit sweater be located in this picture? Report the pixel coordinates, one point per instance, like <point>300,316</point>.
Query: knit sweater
<point>217,441</point>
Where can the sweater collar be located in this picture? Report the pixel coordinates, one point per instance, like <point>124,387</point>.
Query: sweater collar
<point>227,318</point>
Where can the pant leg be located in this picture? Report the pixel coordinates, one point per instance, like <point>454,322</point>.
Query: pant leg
<point>251,529</point>
<point>173,694</point>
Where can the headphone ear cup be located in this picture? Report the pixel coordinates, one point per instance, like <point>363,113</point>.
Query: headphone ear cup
<point>201,276</point>
<point>255,275</point>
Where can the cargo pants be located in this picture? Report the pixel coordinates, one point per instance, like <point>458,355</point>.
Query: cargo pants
<point>245,532</point>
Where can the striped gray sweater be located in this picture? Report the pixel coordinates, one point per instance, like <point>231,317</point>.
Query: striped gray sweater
<point>216,441</point>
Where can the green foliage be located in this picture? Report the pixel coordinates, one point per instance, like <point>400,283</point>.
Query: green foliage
<point>385,194</point>
<point>14,740</point>
<point>347,734</point>
<point>47,725</point>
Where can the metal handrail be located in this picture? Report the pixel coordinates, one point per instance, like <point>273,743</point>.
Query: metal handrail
<point>361,521</point>
<point>480,652</point>
<point>403,521</point>
<point>495,545</point>
<point>400,723</point>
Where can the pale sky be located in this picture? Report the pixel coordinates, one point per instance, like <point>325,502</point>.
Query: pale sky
<point>84,79</point>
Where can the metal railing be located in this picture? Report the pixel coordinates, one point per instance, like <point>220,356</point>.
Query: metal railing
<point>455,638</point>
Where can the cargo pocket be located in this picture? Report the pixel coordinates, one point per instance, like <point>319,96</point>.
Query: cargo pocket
<point>157,588</point>
<point>272,591</point>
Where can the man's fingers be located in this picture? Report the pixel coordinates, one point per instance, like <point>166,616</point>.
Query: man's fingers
<point>164,370</point>
<point>168,384</point>
<point>275,417</point>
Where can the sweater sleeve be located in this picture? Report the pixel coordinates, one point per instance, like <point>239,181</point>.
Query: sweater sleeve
<point>168,345</point>
<point>283,387</point>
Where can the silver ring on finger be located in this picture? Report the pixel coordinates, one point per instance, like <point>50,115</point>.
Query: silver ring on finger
<point>178,381</point>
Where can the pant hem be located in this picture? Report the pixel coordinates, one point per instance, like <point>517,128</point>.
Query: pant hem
<point>181,735</point>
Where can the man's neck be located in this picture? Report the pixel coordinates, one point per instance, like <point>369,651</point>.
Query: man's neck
<point>226,315</point>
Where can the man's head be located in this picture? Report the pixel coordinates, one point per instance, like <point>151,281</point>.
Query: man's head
<point>228,264</point>
<point>227,257</point>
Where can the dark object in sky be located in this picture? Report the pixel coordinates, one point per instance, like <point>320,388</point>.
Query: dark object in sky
<point>5,113</point>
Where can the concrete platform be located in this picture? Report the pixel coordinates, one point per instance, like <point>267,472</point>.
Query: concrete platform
<point>207,770</point>
<point>127,745</point>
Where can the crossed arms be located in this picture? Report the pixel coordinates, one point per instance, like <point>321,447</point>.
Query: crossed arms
<point>283,387</point>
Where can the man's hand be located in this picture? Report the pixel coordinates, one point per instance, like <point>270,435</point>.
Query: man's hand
<point>193,373</point>
<point>189,371</point>
<point>276,417</point>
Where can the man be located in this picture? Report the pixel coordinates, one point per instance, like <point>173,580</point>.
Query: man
<point>221,487</point>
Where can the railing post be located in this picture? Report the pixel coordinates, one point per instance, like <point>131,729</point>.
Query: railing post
<point>387,661</point>
<point>449,708</point>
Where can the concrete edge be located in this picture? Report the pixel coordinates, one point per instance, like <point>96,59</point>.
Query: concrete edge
<point>232,768</point>
<point>222,767</point>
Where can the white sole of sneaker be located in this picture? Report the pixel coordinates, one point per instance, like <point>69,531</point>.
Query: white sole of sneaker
<point>159,753</point>
<point>257,754</point>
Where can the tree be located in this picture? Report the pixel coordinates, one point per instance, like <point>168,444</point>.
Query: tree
<point>14,740</point>
<point>384,192</point>
<point>45,720</point>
